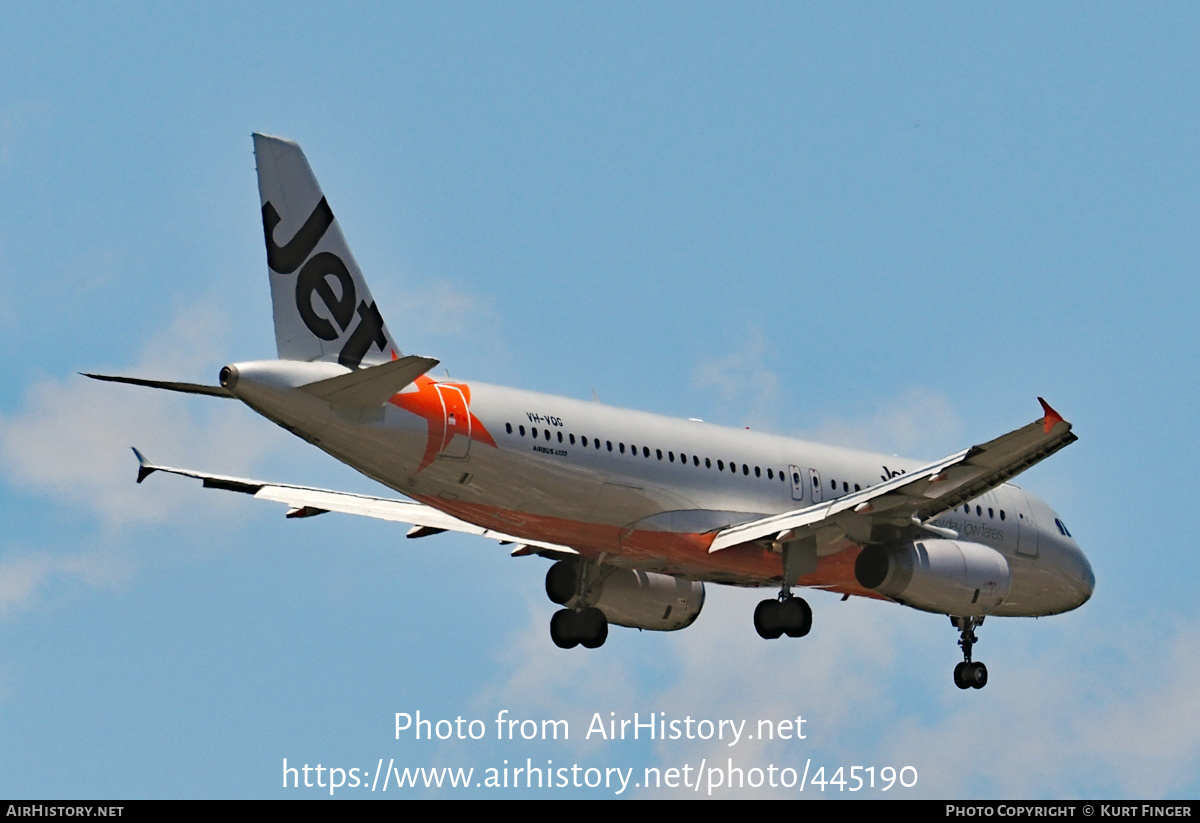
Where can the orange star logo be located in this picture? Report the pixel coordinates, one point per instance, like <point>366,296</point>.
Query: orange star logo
<point>446,408</point>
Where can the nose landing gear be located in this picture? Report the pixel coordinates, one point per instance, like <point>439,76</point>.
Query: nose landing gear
<point>968,674</point>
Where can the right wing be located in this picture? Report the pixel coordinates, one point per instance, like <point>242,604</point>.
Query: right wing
<point>305,501</point>
<point>910,499</point>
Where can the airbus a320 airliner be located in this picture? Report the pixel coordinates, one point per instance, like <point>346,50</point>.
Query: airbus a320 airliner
<point>637,511</point>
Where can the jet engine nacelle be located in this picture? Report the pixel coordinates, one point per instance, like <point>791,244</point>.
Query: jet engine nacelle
<point>629,597</point>
<point>944,576</point>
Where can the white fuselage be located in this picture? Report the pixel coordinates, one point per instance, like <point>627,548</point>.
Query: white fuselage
<point>639,489</point>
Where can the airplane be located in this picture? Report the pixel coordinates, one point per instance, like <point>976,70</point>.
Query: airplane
<point>637,511</point>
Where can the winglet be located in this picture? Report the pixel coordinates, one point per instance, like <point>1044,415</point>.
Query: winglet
<point>145,467</point>
<point>1052,417</point>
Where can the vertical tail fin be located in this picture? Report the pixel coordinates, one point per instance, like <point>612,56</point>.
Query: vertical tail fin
<point>323,308</point>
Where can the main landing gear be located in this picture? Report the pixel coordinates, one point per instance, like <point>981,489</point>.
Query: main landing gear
<point>968,675</point>
<point>578,624</point>
<point>586,627</point>
<point>785,615</point>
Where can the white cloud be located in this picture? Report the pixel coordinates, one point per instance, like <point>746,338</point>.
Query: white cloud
<point>744,385</point>
<point>547,682</point>
<point>1063,714</point>
<point>71,436</point>
<point>436,312</point>
<point>69,440</point>
<point>25,575</point>
<point>919,422</point>
<point>1067,721</point>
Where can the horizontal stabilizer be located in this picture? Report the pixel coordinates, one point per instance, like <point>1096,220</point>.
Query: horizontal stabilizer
<point>372,386</point>
<point>169,385</point>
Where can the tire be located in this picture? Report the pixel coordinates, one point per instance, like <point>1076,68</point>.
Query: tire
<point>563,629</point>
<point>560,582</point>
<point>593,628</point>
<point>797,617</point>
<point>978,675</point>
<point>960,675</point>
<point>768,620</point>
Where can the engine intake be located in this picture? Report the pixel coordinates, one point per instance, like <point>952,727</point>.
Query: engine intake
<point>944,576</point>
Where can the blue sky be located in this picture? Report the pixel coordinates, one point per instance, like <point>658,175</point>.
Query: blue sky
<point>892,226</point>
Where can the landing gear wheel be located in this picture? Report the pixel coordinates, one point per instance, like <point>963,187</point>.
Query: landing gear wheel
<point>560,581</point>
<point>797,616</point>
<point>587,628</point>
<point>592,627</point>
<point>960,678</point>
<point>768,621</point>
<point>563,629</point>
<point>791,616</point>
<point>977,675</point>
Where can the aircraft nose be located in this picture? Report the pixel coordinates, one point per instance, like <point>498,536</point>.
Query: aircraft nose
<point>1085,578</point>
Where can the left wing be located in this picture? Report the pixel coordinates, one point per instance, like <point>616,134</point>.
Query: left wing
<point>305,501</point>
<point>908,500</point>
